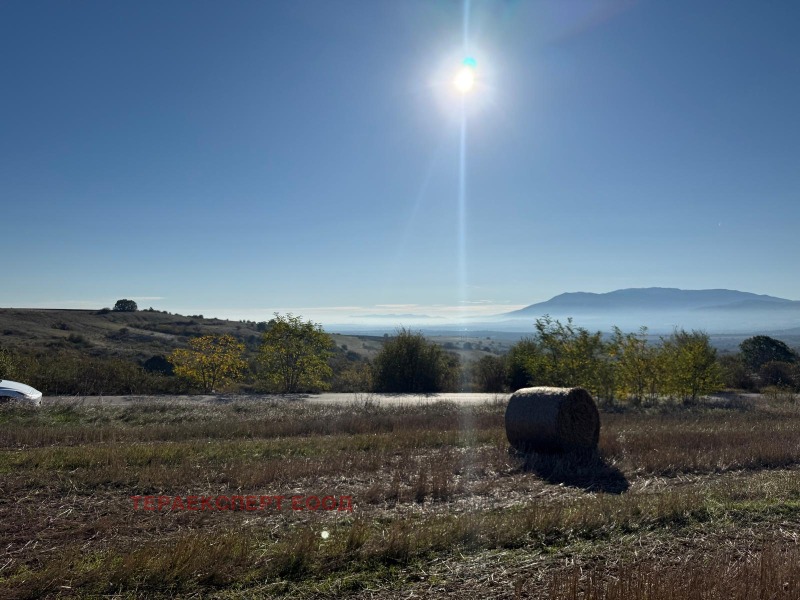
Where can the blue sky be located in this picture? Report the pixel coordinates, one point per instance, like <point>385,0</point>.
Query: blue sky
<point>237,158</point>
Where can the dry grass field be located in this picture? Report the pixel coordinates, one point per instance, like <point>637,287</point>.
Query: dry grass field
<point>690,502</point>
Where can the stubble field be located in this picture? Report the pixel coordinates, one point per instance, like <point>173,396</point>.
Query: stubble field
<point>681,502</point>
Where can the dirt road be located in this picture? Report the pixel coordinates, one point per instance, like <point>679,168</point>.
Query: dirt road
<point>347,398</point>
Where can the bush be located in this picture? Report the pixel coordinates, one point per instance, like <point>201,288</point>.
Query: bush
<point>778,373</point>
<point>735,373</point>
<point>357,377</point>
<point>6,363</point>
<point>521,364</point>
<point>78,340</point>
<point>158,364</point>
<point>409,364</point>
<point>73,373</point>
<point>490,374</point>
<point>778,393</point>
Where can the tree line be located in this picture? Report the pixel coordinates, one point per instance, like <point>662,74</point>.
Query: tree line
<point>625,367</point>
<point>630,368</point>
<point>299,356</point>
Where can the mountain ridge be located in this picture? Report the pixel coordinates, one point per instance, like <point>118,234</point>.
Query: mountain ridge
<point>648,299</point>
<point>663,309</point>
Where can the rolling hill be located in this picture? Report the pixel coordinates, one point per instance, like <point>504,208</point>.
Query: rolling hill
<point>133,335</point>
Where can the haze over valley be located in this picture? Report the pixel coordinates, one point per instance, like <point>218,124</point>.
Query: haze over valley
<point>659,309</point>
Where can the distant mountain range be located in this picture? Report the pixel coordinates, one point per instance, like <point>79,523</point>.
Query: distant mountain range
<point>662,309</point>
<point>654,299</point>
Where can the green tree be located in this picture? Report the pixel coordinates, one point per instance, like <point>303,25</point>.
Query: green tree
<point>210,361</point>
<point>636,365</point>
<point>524,365</point>
<point>573,356</point>
<point>690,365</point>
<point>294,354</point>
<point>125,306</point>
<point>761,349</point>
<point>408,363</point>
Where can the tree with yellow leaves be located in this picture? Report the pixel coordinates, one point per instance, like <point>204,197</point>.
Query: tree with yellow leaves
<point>294,355</point>
<point>210,361</point>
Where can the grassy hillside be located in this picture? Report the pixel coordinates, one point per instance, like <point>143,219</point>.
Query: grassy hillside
<point>142,334</point>
<point>62,351</point>
<point>133,335</point>
<point>137,335</point>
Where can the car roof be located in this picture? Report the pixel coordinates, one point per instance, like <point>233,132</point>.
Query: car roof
<point>15,386</point>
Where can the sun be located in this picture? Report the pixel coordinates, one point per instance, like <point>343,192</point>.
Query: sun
<point>461,84</point>
<point>465,78</point>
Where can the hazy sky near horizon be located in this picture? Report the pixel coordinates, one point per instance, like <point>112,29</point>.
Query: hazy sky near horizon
<point>237,158</point>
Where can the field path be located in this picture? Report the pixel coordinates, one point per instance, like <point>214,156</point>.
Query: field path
<point>327,398</point>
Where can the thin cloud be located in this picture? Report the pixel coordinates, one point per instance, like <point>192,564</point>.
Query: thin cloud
<point>396,305</point>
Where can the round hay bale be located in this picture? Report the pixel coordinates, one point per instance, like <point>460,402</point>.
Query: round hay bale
<point>552,420</point>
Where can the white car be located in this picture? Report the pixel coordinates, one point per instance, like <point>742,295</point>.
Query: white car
<point>11,390</point>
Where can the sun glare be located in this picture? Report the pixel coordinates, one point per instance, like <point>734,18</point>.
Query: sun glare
<point>459,86</point>
<point>465,80</point>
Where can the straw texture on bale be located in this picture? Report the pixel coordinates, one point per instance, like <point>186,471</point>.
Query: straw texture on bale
<point>552,420</point>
